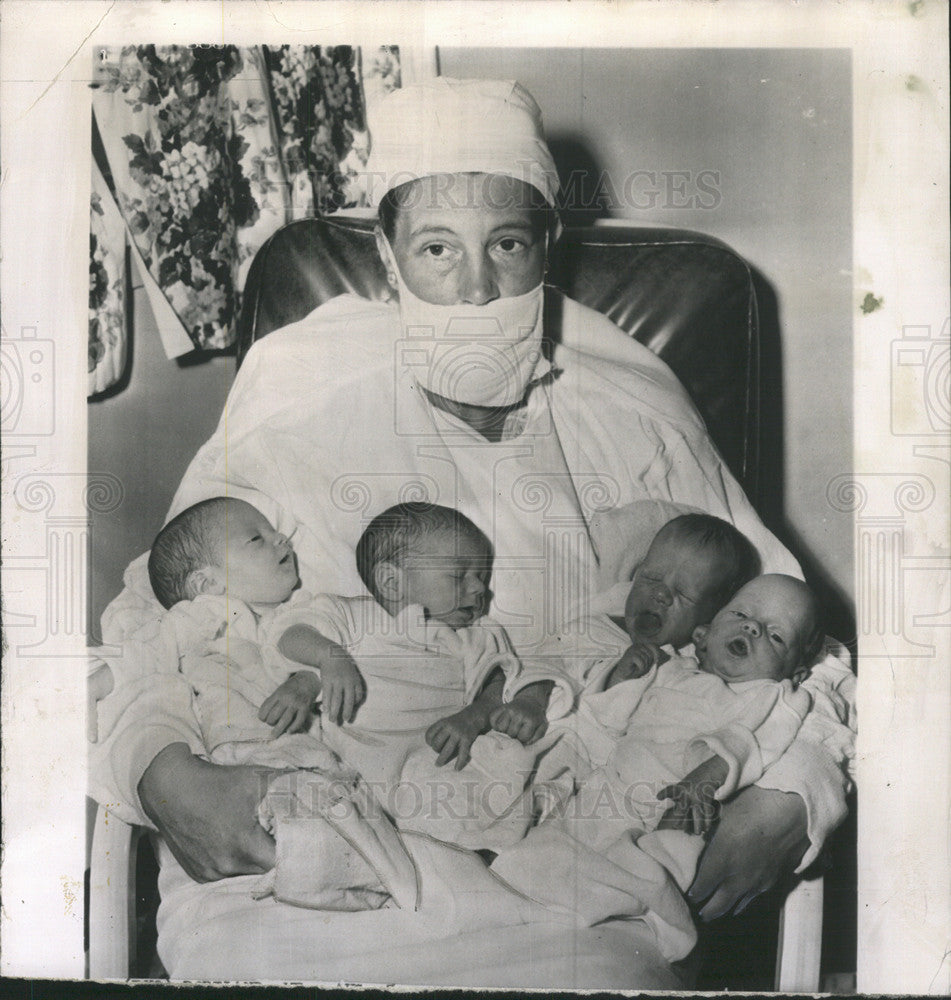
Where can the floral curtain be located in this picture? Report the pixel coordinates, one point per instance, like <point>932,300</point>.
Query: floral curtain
<point>200,154</point>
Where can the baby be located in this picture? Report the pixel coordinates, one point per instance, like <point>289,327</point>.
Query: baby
<point>422,640</point>
<point>236,572</point>
<point>222,572</point>
<point>441,680</point>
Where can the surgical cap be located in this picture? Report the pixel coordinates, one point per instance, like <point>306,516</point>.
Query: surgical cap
<point>447,126</point>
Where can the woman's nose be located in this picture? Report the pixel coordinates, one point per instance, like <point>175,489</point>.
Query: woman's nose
<point>478,282</point>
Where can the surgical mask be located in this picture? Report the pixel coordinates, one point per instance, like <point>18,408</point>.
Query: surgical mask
<point>484,355</point>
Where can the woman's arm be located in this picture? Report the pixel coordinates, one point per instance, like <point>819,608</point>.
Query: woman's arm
<point>760,837</point>
<point>207,813</point>
<point>144,769</point>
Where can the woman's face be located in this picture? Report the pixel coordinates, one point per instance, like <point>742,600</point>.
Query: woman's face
<point>467,238</point>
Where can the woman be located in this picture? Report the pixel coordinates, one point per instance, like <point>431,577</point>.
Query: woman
<point>480,391</point>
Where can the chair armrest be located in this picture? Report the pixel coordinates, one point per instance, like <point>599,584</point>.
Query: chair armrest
<point>112,896</point>
<point>800,939</point>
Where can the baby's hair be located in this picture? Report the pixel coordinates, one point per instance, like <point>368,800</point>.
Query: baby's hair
<point>741,562</point>
<point>188,542</point>
<point>400,529</point>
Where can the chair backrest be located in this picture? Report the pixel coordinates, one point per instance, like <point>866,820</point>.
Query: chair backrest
<point>688,297</point>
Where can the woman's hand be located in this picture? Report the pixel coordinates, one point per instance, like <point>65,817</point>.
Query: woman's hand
<point>207,813</point>
<point>761,836</point>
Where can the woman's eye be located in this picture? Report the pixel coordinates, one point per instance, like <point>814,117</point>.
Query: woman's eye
<point>510,245</point>
<point>435,250</point>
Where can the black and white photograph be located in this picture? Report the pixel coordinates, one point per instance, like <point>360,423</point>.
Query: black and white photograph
<point>500,455</point>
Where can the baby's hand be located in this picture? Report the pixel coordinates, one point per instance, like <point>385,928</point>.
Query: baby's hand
<point>695,807</point>
<point>344,688</point>
<point>636,662</point>
<point>524,721</point>
<point>288,710</point>
<point>454,735</point>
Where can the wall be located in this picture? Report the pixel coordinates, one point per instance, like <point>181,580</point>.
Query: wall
<point>146,433</point>
<point>753,147</point>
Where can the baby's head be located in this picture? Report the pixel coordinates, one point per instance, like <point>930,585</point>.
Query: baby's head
<point>695,563</point>
<point>769,630</point>
<point>420,553</point>
<point>222,546</point>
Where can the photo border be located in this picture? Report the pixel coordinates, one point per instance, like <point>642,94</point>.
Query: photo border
<point>901,259</point>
